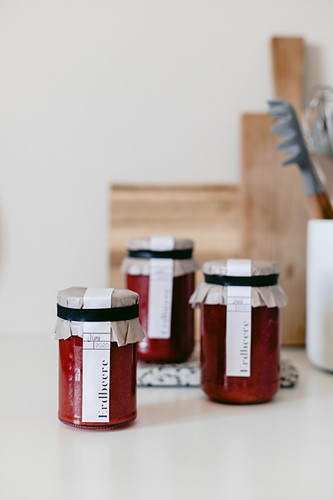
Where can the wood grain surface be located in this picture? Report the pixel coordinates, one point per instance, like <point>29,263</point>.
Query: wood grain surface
<point>208,214</point>
<point>275,217</point>
<point>288,69</point>
<point>274,203</point>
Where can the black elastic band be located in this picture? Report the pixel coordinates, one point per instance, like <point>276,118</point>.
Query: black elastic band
<point>109,314</point>
<point>216,279</point>
<point>168,254</point>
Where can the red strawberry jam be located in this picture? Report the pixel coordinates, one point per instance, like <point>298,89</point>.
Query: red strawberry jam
<point>98,330</point>
<point>122,394</point>
<point>181,342</point>
<point>264,380</point>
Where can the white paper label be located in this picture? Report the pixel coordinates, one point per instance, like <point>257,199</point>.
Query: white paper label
<point>162,243</point>
<point>97,298</point>
<point>238,336</point>
<point>160,290</point>
<point>96,360</point>
<point>160,298</point>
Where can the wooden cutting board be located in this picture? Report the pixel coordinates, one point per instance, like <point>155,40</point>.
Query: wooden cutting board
<point>208,214</point>
<point>288,69</point>
<point>274,204</point>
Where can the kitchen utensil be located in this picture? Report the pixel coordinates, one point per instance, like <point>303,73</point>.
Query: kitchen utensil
<point>318,132</point>
<point>288,126</point>
<point>318,121</point>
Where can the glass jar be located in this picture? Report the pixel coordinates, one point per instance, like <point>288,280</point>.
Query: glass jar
<point>240,305</point>
<point>161,271</point>
<point>98,331</point>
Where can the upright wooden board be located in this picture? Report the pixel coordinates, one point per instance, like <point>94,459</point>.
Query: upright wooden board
<point>275,217</point>
<point>288,69</point>
<point>274,203</point>
<point>208,214</point>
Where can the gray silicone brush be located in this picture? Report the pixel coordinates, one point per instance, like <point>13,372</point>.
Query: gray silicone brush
<point>289,126</point>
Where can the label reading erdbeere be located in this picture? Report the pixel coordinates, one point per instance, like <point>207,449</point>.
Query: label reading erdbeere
<point>238,336</point>
<point>96,359</point>
<point>160,289</point>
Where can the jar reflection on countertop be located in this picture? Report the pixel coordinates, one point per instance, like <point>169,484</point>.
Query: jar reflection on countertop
<point>98,331</point>
<point>240,305</point>
<point>161,270</point>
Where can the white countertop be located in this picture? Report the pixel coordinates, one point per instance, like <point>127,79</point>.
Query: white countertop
<point>181,446</point>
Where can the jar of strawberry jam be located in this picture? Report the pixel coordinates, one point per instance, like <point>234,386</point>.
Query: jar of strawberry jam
<point>161,270</point>
<point>98,330</point>
<point>240,304</point>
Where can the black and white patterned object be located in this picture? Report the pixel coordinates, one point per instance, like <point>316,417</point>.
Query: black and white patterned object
<point>288,374</point>
<point>185,374</point>
<point>168,375</point>
<point>188,374</point>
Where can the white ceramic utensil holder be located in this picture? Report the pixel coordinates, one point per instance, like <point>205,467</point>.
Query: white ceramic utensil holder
<point>319,293</point>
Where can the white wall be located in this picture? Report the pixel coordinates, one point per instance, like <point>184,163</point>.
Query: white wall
<point>94,92</point>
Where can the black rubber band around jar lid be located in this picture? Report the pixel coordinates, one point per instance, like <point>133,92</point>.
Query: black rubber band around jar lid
<point>167,254</point>
<point>98,315</point>
<point>257,281</point>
